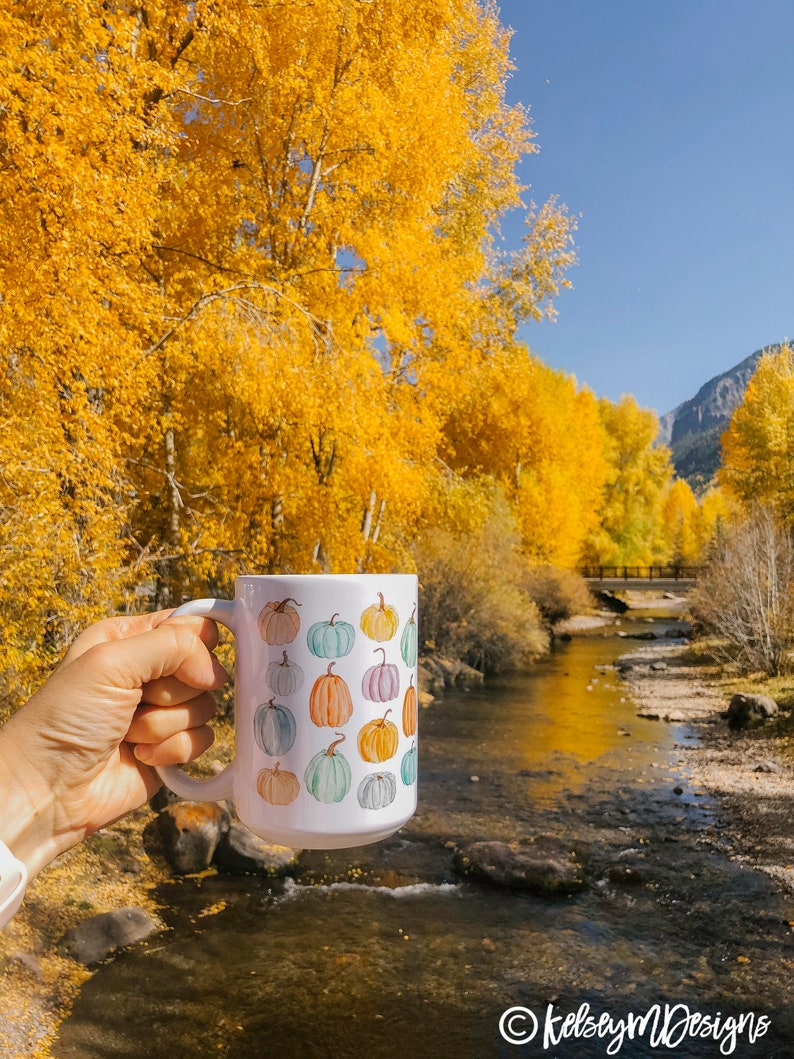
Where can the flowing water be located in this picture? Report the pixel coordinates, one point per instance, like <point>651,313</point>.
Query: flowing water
<point>386,952</point>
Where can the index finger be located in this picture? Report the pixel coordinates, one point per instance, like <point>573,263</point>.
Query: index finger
<point>176,649</point>
<point>122,627</point>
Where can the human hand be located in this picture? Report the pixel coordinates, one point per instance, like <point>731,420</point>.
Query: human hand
<point>129,694</point>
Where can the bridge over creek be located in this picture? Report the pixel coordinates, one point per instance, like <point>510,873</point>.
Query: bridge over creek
<point>641,578</point>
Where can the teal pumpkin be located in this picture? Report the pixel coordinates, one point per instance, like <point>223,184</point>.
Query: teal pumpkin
<point>408,767</point>
<point>327,775</point>
<point>377,790</point>
<point>285,677</point>
<point>409,641</point>
<point>274,728</point>
<point>331,639</point>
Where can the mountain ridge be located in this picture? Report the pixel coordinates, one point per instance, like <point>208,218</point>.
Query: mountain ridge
<point>693,429</point>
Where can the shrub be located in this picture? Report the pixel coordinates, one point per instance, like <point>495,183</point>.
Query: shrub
<point>745,597</point>
<point>558,594</point>
<point>471,604</point>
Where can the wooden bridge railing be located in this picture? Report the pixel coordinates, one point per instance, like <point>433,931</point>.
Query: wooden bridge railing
<point>640,573</point>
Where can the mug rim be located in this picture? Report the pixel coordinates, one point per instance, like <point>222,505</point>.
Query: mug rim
<point>322,577</point>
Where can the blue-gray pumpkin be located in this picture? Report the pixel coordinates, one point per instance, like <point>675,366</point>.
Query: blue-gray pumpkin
<point>285,677</point>
<point>327,775</point>
<point>331,639</point>
<point>274,728</point>
<point>408,766</point>
<point>409,641</point>
<point>377,790</point>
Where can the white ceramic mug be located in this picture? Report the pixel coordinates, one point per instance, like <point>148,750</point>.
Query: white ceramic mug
<point>325,707</point>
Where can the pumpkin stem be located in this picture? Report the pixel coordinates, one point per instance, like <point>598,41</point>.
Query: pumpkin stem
<point>382,721</point>
<point>276,767</point>
<point>331,622</point>
<point>272,703</point>
<point>331,749</point>
<point>286,660</point>
<point>284,602</point>
<point>382,602</point>
<point>412,619</point>
<point>330,667</point>
<point>411,681</point>
<point>383,663</point>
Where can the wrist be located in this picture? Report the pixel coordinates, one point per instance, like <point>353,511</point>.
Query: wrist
<point>27,809</point>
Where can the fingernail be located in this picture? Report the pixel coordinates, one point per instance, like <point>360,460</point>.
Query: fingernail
<point>143,752</point>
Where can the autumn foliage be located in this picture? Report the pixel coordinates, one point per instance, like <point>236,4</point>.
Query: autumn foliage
<point>255,314</point>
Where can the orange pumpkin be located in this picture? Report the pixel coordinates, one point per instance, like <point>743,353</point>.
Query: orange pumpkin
<point>377,740</point>
<point>279,622</point>
<point>330,702</point>
<point>410,710</point>
<point>276,787</point>
<point>380,621</point>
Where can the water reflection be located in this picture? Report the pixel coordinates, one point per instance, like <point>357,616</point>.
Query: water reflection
<point>384,952</point>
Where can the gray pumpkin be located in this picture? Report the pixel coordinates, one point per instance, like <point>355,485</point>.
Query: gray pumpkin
<point>377,790</point>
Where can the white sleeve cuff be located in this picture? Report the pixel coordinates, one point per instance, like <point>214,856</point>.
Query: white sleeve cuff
<point>13,880</point>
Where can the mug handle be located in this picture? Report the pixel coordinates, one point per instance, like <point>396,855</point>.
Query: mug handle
<point>216,788</point>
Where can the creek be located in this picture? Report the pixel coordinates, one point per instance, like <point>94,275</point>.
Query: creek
<point>385,952</point>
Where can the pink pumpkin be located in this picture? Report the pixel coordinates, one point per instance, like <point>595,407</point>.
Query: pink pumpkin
<point>381,682</point>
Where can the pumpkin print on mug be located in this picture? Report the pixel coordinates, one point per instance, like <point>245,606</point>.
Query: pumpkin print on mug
<point>277,787</point>
<point>410,709</point>
<point>409,766</point>
<point>285,677</point>
<point>327,776</point>
<point>409,641</point>
<point>377,790</point>
<point>279,622</point>
<point>332,638</point>
<point>381,682</point>
<point>380,621</point>
<point>378,740</point>
<point>330,702</point>
<point>325,702</point>
<point>274,728</point>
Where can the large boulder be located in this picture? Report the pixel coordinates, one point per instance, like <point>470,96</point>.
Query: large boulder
<point>747,710</point>
<point>241,851</point>
<point>544,866</point>
<point>189,834</point>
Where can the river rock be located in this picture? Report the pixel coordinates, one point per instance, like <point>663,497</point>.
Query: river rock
<point>96,938</point>
<point>746,710</point>
<point>440,673</point>
<point>190,833</point>
<point>770,767</point>
<point>243,852</point>
<point>611,601</point>
<point>545,866</point>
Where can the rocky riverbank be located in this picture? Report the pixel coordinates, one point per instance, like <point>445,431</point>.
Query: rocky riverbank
<point>749,774</point>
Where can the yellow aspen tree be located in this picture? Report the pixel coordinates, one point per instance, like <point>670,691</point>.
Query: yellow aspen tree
<point>342,172</point>
<point>758,446</point>
<point>639,472</point>
<point>679,517</point>
<point>77,131</point>
<point>247,262</point>
<point>539,435</point>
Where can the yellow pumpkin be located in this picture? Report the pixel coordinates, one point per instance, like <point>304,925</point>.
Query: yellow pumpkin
<point>410,710</point>
<point>380,621</point>
<point>330,702</point>
<point>377,740</point>
<point>276,787</point>
<point>279,622</point>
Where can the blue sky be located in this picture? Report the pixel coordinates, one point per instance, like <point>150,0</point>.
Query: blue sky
<point>668,125</point>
